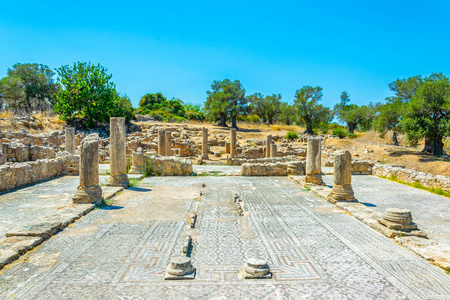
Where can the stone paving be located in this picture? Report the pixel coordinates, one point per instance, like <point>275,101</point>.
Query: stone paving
<point>314,250</point>
<point>217,170</point>
<point>431,212</point>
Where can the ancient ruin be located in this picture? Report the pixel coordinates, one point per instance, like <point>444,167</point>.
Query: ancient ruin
<point>342,187</point>
<point>313,162</point>
<point>118,153</point>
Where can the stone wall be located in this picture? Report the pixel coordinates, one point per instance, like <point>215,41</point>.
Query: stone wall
<point>411,176</point>
<point>15,175</point>
<point>273,169</point>
<point>236,161</point>
<point>168,166</point>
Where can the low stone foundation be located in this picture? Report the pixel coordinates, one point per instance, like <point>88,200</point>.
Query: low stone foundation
<point>15,175</point>
<point>236,161</point>
<point>411,176</point>
<point>168,166</point>
<point>274,169</point>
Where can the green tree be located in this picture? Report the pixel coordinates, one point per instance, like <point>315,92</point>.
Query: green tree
<point>226,98</point>
<point>267,108</point>
<point>287,113</point>
<point>389,117</point>
<point>348,113</point>
<point>29,87</point>
<point>428,113</point>
<point>87,91</point>
<point>308,109</point>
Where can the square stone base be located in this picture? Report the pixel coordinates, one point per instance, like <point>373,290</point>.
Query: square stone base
<point>168,276</point>
<point>246,275</point>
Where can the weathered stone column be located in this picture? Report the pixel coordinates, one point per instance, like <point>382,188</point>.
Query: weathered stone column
<point>342,188</point>
<point>137,163</point>
<point>70,140</point>
<point>205,148</point>
<point>268,142</point>
<point>168,143</point>
<point>89,190</point>
<point>161,142</point>
<point>118,153</point>
<point>313,162</point>
<point>233,142</point>
<point>273,150</point>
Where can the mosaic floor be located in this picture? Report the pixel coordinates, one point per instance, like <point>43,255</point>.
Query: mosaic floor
<point>314,250</point>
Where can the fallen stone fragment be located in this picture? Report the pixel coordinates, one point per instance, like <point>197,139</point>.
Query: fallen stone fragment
<point>7,257</point>
<point>20,244</point>
<point>256,269</point>
<point>180,267</point>
<point>43,230</point>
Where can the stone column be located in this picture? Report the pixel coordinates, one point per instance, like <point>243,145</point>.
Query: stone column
<point>168,142</point>
<point>117,153</point>
<point>313,162</point>
<point>161,142</point>
<point>268,142</point>
<point>273,150</point>
<point>205,149</point>
<point>233,142</point>
<point>70,140</point>
<point>342,188</point>
<point>89,190</point>
<point>137,163</point>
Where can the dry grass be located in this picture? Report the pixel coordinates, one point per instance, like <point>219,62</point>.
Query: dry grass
<point>6,115</point>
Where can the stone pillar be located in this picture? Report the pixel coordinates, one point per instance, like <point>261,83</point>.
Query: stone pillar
<point>342,188</point>
<point>205,149</point>
<point>313,162</point>
<point>233,142</point>
<point>117,153</point>
<point>70,140</point>
<point>161,142</point>
<point>268,142</point>
<point>168,142</point>
<point>89,190</point>
<point>137,163</point>
<point>273,150</point>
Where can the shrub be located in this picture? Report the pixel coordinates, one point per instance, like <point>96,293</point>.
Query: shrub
<point>351,135</point>
<point>323,127</point>
<point>292,135</point>
<point>339,132</point>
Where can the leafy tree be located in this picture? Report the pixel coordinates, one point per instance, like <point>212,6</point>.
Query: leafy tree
<point>152,101</point>
<point>309,110</point>
<point>267,108</point>
<point>87,91</point>
<point>389,116</point>
<point>287,113</point>
<point>226,98</point>
<point>348,113</point>
<point>428,113</point>
<point>29,87</point>
<point>194,112</point>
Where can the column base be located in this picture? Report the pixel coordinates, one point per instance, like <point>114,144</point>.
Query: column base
<point>342,193</point>
<point>88,194</point>
<point>313,179</point>
<point>119,180</point>
<point>136,170</point>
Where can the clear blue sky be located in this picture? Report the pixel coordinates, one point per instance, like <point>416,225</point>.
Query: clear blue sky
<point>180,47</point>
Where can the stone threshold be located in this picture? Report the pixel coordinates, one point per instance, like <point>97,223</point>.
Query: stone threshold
<point>433,251</point>
<point>25,238</point>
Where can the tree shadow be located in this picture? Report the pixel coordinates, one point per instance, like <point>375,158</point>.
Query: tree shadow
<point>423,156</point>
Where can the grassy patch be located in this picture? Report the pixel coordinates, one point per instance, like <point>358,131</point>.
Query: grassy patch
<point>306,189</point>
<point>212,173</point>
<point>418,185</point>
<point>134,182</point>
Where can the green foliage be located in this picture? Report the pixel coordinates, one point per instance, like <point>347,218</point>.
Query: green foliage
<point>253,118</point>
<point>267,108</point>
<point>287,114</point>
<point>353,114</point>
<point>28,87</point>
<point>194,112</point>
<point>418,185</point>
<point>428,113</point>
<point>323,127</point>
<point>339,132</point>
<point>87,91</point>
<point>226,98</point>
<point>292,135</point>
<point>306,106</point>
<point>351,135</point>
<point>134,182</point>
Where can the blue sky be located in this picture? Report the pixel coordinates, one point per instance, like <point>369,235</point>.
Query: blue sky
<point>180,47</point>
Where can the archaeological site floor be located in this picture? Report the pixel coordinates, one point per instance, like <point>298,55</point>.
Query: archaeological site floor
<point>314,249</point>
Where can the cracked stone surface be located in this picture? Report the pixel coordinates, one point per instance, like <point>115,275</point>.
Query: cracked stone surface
<point>314,250</point>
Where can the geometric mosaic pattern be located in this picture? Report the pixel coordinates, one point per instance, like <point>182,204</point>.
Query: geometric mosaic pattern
<point>313,251</point>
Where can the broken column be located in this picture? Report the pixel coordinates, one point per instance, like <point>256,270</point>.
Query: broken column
<point>168,143</point>
<point>273,150</point>
<point>118,153</point>
<point>268,142</point>
<point>233,142</point>
<point>161,142</point>
<point>180,267</point>
<point>313,162</point>
<point>70,140</point>
<point>205,149</point>
<point>256,269</point>
<point>342,187</point>
<point>137,163</point>
<point>89,190</point>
